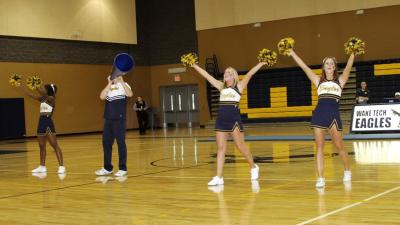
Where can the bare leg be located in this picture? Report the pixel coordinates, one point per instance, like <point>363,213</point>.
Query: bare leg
<point>221,145</point>
<point>238,138</point>
<point>319,135</point>
<point>53,142</point>
<point>337,140</point>
<point>42,146</point>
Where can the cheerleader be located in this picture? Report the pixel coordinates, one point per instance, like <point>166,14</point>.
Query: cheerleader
<point>228,120</point>
<point>115,94</point>
<point>46,130</point>
<point>326,115</point>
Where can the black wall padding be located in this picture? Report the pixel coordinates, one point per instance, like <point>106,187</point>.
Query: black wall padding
<point>12,118</point>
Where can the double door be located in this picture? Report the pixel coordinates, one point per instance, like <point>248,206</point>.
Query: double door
<point>179,105</point>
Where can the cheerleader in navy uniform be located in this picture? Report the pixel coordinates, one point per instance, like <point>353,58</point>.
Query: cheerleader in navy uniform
<point>46,130</point>
<point>228,119</point>
<point>326,114</point>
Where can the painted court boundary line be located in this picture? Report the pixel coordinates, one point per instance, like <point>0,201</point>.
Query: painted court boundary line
<point>90,183</point>
<point>310,137</point>
<point>349,206</point>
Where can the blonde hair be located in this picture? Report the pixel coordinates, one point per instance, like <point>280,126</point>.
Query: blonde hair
<point>236,77</point>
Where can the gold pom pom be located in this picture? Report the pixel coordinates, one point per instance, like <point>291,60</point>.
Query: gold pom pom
<point>267,56</point>
<point>354,45</point>
<point>15,80</point>
<point>33,82</point>
<point>189,59</point>
<point>285,44</point>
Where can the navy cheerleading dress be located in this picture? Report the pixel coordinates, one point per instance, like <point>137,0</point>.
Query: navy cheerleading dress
<point>46,125</point>
<point>326,113</point>
<point>228,117</point>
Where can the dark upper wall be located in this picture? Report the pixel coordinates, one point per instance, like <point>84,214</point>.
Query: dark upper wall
<point>170,28</point>
<point>35,50</point>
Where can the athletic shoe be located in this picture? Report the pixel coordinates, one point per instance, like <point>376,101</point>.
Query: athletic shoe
<point>216,181</point>
<point>61,170</point>
<point>254,172</point>
<point>40,169</point>
<point>102,172</point>
<point>320,182</point>
<point>121,173</point>
<point>347,175</point>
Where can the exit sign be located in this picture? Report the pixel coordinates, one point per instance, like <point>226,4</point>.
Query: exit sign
<point>177,78</point>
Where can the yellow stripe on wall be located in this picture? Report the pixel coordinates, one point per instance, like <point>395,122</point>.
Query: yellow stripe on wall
<point>387,72</point>
<point>278,109</point>
<point>278,93</point>
<point>279,115</point>
<point>387,66</point>
<point>387,69</point>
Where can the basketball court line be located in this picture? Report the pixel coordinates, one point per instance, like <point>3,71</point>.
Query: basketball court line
<point>349,206</point>
<point>90,183</point>
<point>96,182</point>
<point>346,137</point>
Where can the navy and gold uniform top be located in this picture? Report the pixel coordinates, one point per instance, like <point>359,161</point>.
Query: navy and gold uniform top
<point>116,100</point>
<point>329,89</point>
<point>46,108</point>
<point>229,95</point>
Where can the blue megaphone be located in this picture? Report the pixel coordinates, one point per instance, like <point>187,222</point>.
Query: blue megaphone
<point>123,63</point>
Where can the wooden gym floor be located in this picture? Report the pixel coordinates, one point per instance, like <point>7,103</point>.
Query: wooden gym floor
<point>168,175</point>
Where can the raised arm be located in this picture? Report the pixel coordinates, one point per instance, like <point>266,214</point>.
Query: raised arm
<point>214,82</point>
<point>104,92</point>
<point>127,88</point>
<point>37,97</point>
<point>310,74</point>
<point>346,72</point>
<point>243,83</point>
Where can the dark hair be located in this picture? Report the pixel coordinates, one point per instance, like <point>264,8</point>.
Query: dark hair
<point>51,89</point>
<point>335,75</point>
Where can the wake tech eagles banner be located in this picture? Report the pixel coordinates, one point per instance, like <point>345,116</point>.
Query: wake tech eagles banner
<point>378,117</point>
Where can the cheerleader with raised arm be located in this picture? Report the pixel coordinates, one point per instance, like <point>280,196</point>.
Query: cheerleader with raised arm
<point>326,116</point>
<point>228,120</point>
<point>46,95</point>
